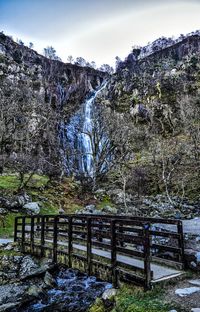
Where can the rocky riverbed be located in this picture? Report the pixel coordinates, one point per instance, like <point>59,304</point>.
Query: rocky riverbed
<point>27,284</point>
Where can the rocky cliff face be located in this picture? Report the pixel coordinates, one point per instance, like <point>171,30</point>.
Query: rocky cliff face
<point>154,87</point>
<point>36,94</point>
<point>153,100</point>
<point>57,83</point>
<point>158,95</point>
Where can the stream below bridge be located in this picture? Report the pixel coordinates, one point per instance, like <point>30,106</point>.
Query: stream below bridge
<point>73,291</point>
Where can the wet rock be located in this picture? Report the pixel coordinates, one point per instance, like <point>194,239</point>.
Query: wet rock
<point>9,306</point>
<point>49,280</point>
<point>10,293</point>
<point>32,208</point>
<point>9,268</point>
<point>28,266</point>
<point>34,291</point>
<point>73,291</point>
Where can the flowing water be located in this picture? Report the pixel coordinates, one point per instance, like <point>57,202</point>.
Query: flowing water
<point>73,291</point>
<point>77,139</point>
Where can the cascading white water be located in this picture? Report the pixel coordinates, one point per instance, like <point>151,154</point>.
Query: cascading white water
<point>78,139</point>
<point>85,139</point>
<point>86,136</point>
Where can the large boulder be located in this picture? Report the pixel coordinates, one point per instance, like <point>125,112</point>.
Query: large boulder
<point>109,210</point>
<point>32,208</point>
<point>14,203</point>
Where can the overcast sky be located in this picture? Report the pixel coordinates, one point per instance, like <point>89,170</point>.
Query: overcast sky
<point>97,30</point>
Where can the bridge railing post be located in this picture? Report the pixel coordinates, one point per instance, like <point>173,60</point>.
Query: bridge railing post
<point>147,256</point>
<point>55,238</point>
<point>16,229</point>
<point>181,243</point>
<point>32,235</point>
<point>23,234</point>
<point>70,246</point>
<point>113,253</point>
<point>89,246</point>
<point>42,238</point>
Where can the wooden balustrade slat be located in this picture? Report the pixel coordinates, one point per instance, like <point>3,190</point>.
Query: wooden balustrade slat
<point>98,237</point>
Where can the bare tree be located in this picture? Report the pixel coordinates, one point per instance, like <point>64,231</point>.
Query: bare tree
<point>28,140</point>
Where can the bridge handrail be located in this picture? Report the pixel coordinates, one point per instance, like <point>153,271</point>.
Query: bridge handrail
<point>122,229</point>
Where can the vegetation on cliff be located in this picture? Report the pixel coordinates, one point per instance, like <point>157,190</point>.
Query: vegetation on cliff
<point>149,111</point>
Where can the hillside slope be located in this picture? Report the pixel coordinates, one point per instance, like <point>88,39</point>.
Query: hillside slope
<point>158,96</point>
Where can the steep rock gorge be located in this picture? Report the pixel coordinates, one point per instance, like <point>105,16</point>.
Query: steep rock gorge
<point>148,112</point>
<point>36,94</point>
<point>58,83</point>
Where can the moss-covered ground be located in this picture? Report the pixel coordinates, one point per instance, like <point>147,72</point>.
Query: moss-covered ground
<point>53,196</point>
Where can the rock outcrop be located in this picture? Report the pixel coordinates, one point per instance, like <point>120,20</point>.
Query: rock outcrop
<point>57,83</point>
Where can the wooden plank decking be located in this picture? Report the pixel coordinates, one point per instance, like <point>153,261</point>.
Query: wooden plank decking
<point>129,248</point>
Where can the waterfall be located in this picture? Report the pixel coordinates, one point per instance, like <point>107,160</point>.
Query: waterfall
<point>77,139</point>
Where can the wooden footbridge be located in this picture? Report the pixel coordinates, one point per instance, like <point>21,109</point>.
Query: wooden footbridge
<point>134,249</point>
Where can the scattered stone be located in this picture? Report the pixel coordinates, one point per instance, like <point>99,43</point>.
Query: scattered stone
<point>3,211</point>
<point>187,291</point>
<point>109,294</point>
<point>9,247</point>
<point>109,210</point>
<point>23,199</point>
<point>90,208</point>
<point>192,259</point>
<point>5,241</point>
<point>195,282</point>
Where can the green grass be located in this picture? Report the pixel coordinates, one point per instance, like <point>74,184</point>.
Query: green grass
<point>104,202</point>
<point>12,182</point>
<point>9,253</point>
<point>134,299</point>
<point>50,197</point>
<point>9,182</point>
<point>7,224</point>
<point>48,208</point>
<point>38,181</point>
